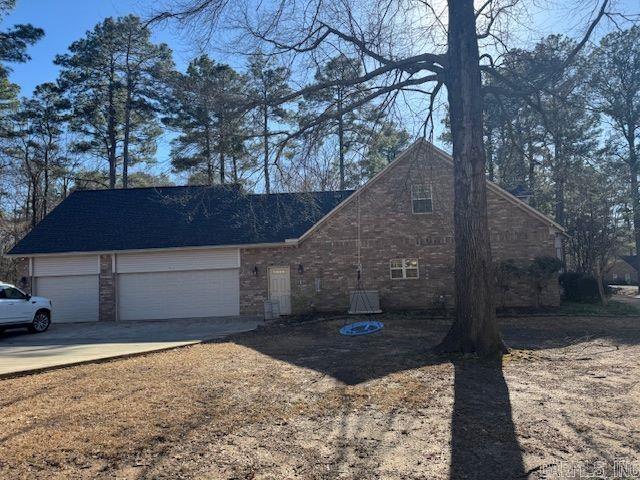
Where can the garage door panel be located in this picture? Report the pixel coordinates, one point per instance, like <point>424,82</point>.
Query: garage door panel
<point>74,298</point>
<point>182,294</point>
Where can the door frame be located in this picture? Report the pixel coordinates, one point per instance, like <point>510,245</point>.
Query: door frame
<point>269,270</point>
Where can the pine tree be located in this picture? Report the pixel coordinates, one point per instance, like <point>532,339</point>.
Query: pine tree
<point>384,142</point>
<point>144,68</point>
<point>15,41</point>
<point>112,78</point>
<point>48,111</point>
<point>35,146</point>
<point>206,109</point>
<point>347,126</point>
<point>267,81</point>
<point>616,85</point>
<point>553,124</point>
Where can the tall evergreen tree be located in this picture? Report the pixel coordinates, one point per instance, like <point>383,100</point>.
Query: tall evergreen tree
<point>383,143</point>
<point>616,85</point>
<point>13,49</point>
<point>205,108</point>
<point>48,112</point>
<point>267,81</point>
<point>347,126</point>
<point>34,144</point>
<point>112,78</point>
<point>554,116</point>
<point>144,68</point>
<point>15,41</point>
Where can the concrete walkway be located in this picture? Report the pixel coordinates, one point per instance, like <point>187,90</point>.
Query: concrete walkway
<point>68,344</point>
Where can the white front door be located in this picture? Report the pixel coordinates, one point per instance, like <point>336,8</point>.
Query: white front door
<point>280,288</point>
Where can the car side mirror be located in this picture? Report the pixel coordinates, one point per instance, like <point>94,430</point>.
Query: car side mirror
<point>28,297</point>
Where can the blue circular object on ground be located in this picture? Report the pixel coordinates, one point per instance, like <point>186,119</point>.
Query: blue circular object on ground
<point>361,328</point>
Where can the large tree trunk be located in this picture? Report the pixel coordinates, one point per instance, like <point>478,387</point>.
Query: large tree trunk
<point>45,187</point>
<point>34,202</point>
<point>341,143</point>
<point>601,291</point>
<point>127,136</point>
<point>490,162</point>
<point>265,139</point>
<point>475,329</point>
<point>559,180</point>
<point>111,129</point>
<point>635,205</point>
<point>208,155</point>
<point>532,172</point>
<point>127,118</point>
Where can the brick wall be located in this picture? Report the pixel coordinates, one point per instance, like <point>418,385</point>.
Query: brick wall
<point>619,271</point>
<point>106,290</point>
<point>389,230</point>
<point>24,280</point>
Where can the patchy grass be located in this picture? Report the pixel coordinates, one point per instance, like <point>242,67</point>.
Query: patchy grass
<point>614,308</point>
<point>301,401</point>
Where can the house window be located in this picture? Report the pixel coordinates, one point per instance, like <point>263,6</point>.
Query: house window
<point>403,268</point>
<point>421,200</point>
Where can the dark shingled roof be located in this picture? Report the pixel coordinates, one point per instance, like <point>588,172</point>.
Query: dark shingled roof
<point>169,217</point>
<point>520,191</point>
<point>631,260</point>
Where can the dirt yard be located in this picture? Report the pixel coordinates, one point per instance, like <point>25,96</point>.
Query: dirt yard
<point>304,402</point>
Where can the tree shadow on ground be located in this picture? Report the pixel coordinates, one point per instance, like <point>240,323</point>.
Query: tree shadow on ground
<point>484,443</point>
<point>405,343</point>
<point>483,439</point>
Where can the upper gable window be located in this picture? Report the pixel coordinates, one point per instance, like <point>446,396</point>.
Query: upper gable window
<point>421,200</point>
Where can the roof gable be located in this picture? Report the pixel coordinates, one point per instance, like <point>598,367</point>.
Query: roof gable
<point>631,260</point>
<point>415,148</point>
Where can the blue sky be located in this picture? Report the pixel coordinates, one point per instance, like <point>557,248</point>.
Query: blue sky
<point>67,20</point>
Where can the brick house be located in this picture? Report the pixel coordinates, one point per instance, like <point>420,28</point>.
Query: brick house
<point>177,252</point>
<point>622,270</point>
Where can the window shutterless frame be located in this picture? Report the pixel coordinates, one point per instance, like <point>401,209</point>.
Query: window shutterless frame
<point>404,269</point>
<point>421,199</point>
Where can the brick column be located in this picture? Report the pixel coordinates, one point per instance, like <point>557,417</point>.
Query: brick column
<point>107,290</point>
<point>24,280</point>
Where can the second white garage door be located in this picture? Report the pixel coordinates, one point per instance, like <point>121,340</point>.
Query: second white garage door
<point>74,298</point>
<point>181,294</point>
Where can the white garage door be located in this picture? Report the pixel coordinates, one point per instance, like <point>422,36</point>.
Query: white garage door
<point>74,298</point>
<point>178,294</point>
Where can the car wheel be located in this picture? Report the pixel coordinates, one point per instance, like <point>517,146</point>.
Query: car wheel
<point>40,322</point>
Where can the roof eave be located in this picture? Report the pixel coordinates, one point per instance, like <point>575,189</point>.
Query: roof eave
<point>286,243</point>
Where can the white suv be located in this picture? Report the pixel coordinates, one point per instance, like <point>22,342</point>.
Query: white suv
<point>19,309</point>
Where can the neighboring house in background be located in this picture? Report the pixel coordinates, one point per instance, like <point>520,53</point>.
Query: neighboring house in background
<point>174,252</point>
<point>623,271</point>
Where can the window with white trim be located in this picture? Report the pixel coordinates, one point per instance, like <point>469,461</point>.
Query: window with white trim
<point>403,268</point>
<point>421,199</point>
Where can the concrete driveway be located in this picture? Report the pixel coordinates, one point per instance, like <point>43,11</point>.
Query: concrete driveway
<point>68,344</point>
